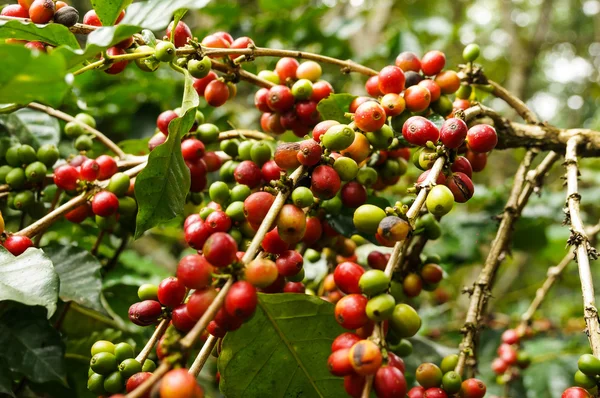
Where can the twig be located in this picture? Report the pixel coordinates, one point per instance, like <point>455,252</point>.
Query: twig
<point>78,28</point>
<point>158,333</point>
<point>514,102</point>
<point>583,249</point>
<point>113,260</point>
<point>239,133</point>
<point>68,118</point>
<point>96,246</point>
<point>203,355</point>
<point>143,388</point>
<point>242,74</point>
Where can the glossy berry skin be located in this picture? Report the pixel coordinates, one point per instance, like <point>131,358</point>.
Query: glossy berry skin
<point>393,104</point>
<point>171,292</point>
<point>16,244</point>
<point>370,116</point>
<point>325,182</point>
<point>408,61</point>
<point>134,381</point>
<point>196,234</point>
<point>218,221</point>
<point>353,195</point>
<point>289,263</point>
<point>118,66</point>
<point>321,90</point>
<point>192,149</point>
<point>417,98</point>
<point>15,10</point>
<point>453,133</point>
<point>478,160</point>
<point>179,383</point>
<point>219,249</point>
<point>313,231</point>
<point>472,388</point>
<point>416,392</point>
<point>78,214</point>
<point>482,138</point>
<point>248,173</point>
<point>260,100</point>
<point>389,382</point>
<point>462,165</point>
<point>270,171</point>
<point>194,271</point>
<point>448,81</point>
<point>89,170</point>
<point>108,167</point>
<point>200,84</point>
<point>433,88</point>
<point>310,153</point>
<point>199,302</point>
<point>344,340</point>
<point>435,392</point>
<point>257,205</point>
<point>372,86</point>
<point>273,243</point>
<point>181,318</point>
<point>365,357</point>
<point>377,260</point>
<point>350,311</point>
<point>576,392</point>
<point>241,300</point>
<point>510,336</point>
<point>321,128</point>
<point>105,204</point>
<point>433,62</point>
<point>391,80</point>
<point>339,363</point>
<point>354,385</point>
<point>461,187</point>
<point>42,11</point>
<point>280,98</point>
<point>429,375</point>
<point>66,177</point>
<point>286,69</point>
<point>145,313</point>
<point>417,130</point>
<point>216,93</point>
<point>347,276</point>
<point>182,33</point>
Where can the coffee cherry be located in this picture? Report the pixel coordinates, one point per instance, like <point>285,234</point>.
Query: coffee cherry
<point>412,285</point>
<point>302,197</point>
<point>462,165</point>
<point>129,366</point>
<point>313,231</point>
<point>15,10</point>
<point>321,90</point>
<point>440,200</point>
<point>499,366</point>
<point>482,138</point>
<point>523,360</point>
<point>448,81</point>
<point>194,271</point>
<point>261,272</point>
<point>472,388</point>
<point>65,15</point>
<point>453,133</point>
<point>391,80</point>
<point>367,218</point>
<point>350,311</point>
<point>200,84</point>
<point>35,172</point>
<point>344,340</point>
<point>272,243</point>
<point>339,363</point>
<point>47,154</point>
<point>171,292</point>
<point>102,346</point>
<point>338,137</point>
<point>117,66</point>
<point>280,98</point>
<point>181,318</point>
<point>135,380</point>
<point>325,182</point>
<point>103,363</point>
<point>405,321</point>
<point>179,383</point>
<point>291,223</point>
<point>17,244</point>
<point>248,173</point>
<point>389,382</point>
<point>393,228</point>
<point>408,61</point>
<point>393,104</point>
<point>346,168</point>
<point>354,385</point>
<point>219,249</point>
<point>199,302</point>
<point>105,204</point>
<point>589,364</point>
<point>433,62</point>
<point>199,68</point>
<point>575,392</point>
<point>289,263</point>
<point>511,336</point>
<point>182,33</point>
<point>347,276</point>
<point>451,382</point>
<point>461,186</point>
<point>216,93</point>
<point>380,308</point>
<point>432,273</point>
<point>370,116</point>
<point>309,70</point>
<point>286,69</point>
<point>471,52</point>
<point>26,154</point>
<point>148,291</point>
<point>429,375</point>
<point>42,11</point>
<point>241,300</point>
<point>417,130</point>
<point>91,18</point>
<point>365,357</point>
<point>417,98</point>
<point>382,138</point>
<point>477,160</point>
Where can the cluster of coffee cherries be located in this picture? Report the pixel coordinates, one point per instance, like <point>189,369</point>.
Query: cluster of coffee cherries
<point>511,358</point>
<point>586,378</point>
<point>114,369</point>
<point>443,382</point>
<point>292,103</point>
<point>24,172</point>
<point>41,12</point>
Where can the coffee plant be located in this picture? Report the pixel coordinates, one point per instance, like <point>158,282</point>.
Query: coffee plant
<point>301,238</point>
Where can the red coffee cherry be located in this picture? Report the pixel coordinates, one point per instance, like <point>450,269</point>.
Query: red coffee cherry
<point>353,195</point>
<point>105,204</point>
<point>377,260</point>
<point>358,101</point>
<point>79,214</point>
<point>432,273</point>
<point>477,160</point>
<point>372,86</point>
<point>339,363</point>
<point>216,93</point>
<point>308,114</point>
<point>199,302</point>
<point>576,392</point>
<point>270,171</point>
<point>354,385</point>
<point>369,116</point>
<point>200,84</point>
<point>325,182</point>
<point>482,138</point>
<point>286,69</point>
<point>462,165</point>
<point>260,100</point>
<point>310,153</point>
<point>389,382</point>
<point>171,292</point>
<point>313,231</point>
<point>472,388</point>
<point>423,176</point>
<point>416,392</point>
<point>118,66</point>
<point>134,381</point>
<point>344,340</point>
<point>417,98</point>
<point>453,133</point>
<point>241,42</point>
<point>194,271</point>
<point>179,383</point>
<point>289,263</point>
<point>163,120</point>
<point>197,175</point>
<point>212,161</point>
<point>219,249</point>
<point>256,206</point>
<point>461,186</point>
<point>280,98</point>
<point>510,336</point>
<point>391,80</point>
<point>408,61</point>
<point>433,62</point>
<point>65,177</point>
<point>294,287</point>
<point>347,275</point>
<point>417,130</point>
<point>350,311</point>
<point>248,173</point>
<point>286,155</point>
<point>435,392</point>
<point>272,243</point>
<point>393,104</point>
<point>321,90</point>
<point>91,18</point>
<point>322,128</point>
<point>42,11</point>
<point>218,221</point>
<point>156,140</point>
<point>448,81</point>
<point>499,366</point>
<point>182,33</point>
<point>261,272</point>
<point>89,170</point>
<point>108,167</point>
<point>241,300</point>
<point>508,354</point>
<point>15,10</point>
<point>196,234</point>
<point>145,313</point>
<point>395,361</point>
<point>17,244</point>
<point>433,88</point>
<point>181,318</point>
<point>276,287</point>
<point>192,149</point>
<point>215,41</point>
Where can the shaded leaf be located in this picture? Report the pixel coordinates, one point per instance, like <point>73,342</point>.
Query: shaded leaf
<point>162,186</point>
<point>156,14</point>
<point>282,351</point>
<point>30,344</point>
<point>32,127</point>
<point>79,274</point>
<point>29,279</point>
<point>335,106</point>
<point>23,80</point>
<point>53,33</point>
<point>5,379</point>
<point>436,119</point>
<point>108,10</point>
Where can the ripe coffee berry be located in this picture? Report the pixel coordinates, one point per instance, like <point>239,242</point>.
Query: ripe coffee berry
<point>216,93</point>
<point>196,234</point>
<point>461,187</point>
<point>219,249</point>
<point>182,33</point>
<point>347,276</point>
<point>241,300</point>
<point>117,66</point>
<point>273,243</point>
<point>145,313</point>
<point>448,81</point>
<point>200,84</point>
<point>15,10</point>
<point>171,292</point>
<point>181,318</point>
<point>453,133</point>
<point>417,130</point>
<point>344,340</point>
<point>248,173</point>
<point>433,62</point>
<point>325,182</point>
<point>42,11</point>
<point>310,152</point>
<point>482,138</point>
<point>472,388</point>
<point>370,116</point>
<point>432,87</point>
<point>339,363</point>
<point>66,177</point>
<point>408,61</point>
<point>389,382</point>
<point>194,271</point>
<point>257,205</point>
<point>289,263</point>
<point>365,357</point>
<point>17,244</point>
<point>372,86</point>
<point>280,98</point>
<point>391,80</point>
<point>108,167</point>
<point>286,69</point>
<point>321,90</point>
<point>353,195</point>
<point>393,104</point>
<point>179,383</point>
<point>90,169</point>
<point>218,221</point>
<point>462,165</point>
<point>510,336</point>
<point>417,98</point>
<point>350,311</point>
<point>192,149</point>
<point>199,301</point>
<point>105,204</point>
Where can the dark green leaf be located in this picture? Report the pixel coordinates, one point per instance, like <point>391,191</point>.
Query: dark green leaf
<point>5,379</point>
<point>29,279</point>
<point>436,119</point>
<point>32,127</point>
<point>28,76</point>
<point>79,274</point>
<point>108,10</point>
<point>53,33</point>
<point>161,188</point>
<point>31,346</point>
<point>156,14</point>
<point>282,351</point>
<point>335,106</point>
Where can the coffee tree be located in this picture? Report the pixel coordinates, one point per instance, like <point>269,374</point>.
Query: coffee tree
<point>305,236</point>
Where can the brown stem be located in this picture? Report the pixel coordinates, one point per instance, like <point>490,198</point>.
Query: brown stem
<point>514,102</point>
<point>158,333</point>
<point>143,388</point>
<point>113,261</point>
<point>96,246</point>
<point>78,28</point>
<point>68,118</point>
<point>583,249</point>
<point>242,74</point>
<point>203,355</point>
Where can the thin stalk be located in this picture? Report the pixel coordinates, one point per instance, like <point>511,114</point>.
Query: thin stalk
<point>203,355</point>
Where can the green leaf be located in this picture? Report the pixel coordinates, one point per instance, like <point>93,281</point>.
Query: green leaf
<point>29,279</point>
<point>156,14</point>
<point>162,186</point>
<point>80,348</point>
<point>108,10</point>
<point>282,351</point>
<point>5,379</point>
<point>176,18</point>
<point>31,346</point>
<point>32,127</point>
<point>335,106</point>
<point>52,33</point>
<point>28,76</point>
<point>437,120</point>
<point>79,274</point>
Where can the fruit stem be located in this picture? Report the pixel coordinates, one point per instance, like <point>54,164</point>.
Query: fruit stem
<point>203,355</point>
<point>143,388</point>
<point>158,333</point>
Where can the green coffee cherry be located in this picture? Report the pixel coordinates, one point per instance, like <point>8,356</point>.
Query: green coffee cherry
<point>405,321</point>
<point>129,367</point>
<point>23,200</point>
<point>104,363</point>
<point>165,51</point>
<point>312,255</point>
<point>366,176</point>
<point>235,211</point>
<point>148,366</point>
<point>245,149</point>
<point>127,206</point>
<point>236,235</point>
<point>124,351</point>
<point>346,168</point>
<point>471,52</point>
<point>219,192</point>
<point>4,170</point>
<point>119,184</point>
<point>199,117</point>
<point>205,212</point>
<point>443,106</point>
<point>148,291</point>
<point>260,153</point>
<point>226,171</point>
<point>373,282</point>
<point>583,380</point>
<point>299,277</point>
<point>83,143</point>
<point>240,192</point>
<point>208,133</point>
<point>26,154</point>
<point>87,119</point>
<point>149,64</point>
<point>73,130</point>
<point>589,364</point>
<point>199,68</point>
<point>338,137</point>
<point>464,91</point>
<point>114,383</point>
<point>302,89</point>
<point>12,156</point>
<point>96,384</point>
<point>367,217</point>
<point>269,75</point>
<point>16,178</point>
<point>380,308</point>
<point>302,197</point>
<point>440,201</point>
<point>382,138</point>
<point>35,172</point>
<point>48,154</point>
<point>404,348</point>
<point>451,382</point>
<point>449,363</point>
<point>103,346</point>
<point>230,147</point>
<point>332,206</point>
